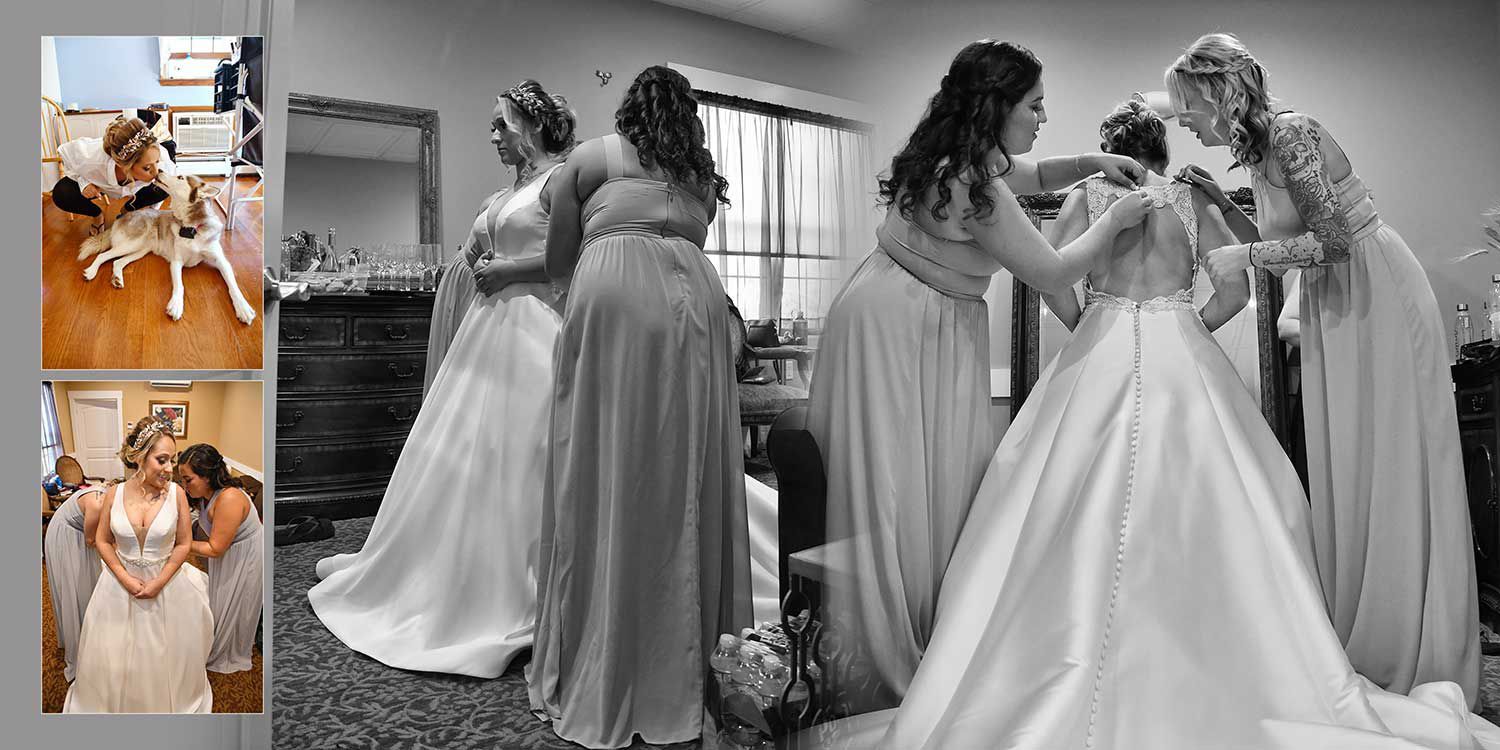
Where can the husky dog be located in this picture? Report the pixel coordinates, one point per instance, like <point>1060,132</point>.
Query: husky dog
<point>185,236</point>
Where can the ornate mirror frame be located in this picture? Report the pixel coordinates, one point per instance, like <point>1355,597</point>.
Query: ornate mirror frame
<point>429,218</point>
<point>1025,347</point>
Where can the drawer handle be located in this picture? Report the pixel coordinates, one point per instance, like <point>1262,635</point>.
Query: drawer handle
<point>392,453</point>
<point>289,337</point>
<point>390,332</point>
<point>410,414</point>
<point>296,373</point>
<point>296,463</point>
<point>1478,403</point>
<point>403,375</point>
<point>296,417</point>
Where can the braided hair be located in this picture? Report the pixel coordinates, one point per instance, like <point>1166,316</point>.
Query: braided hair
<point>554,120</point>
<point>126,139</point>
<point>659,116</point>
<point>1222,71</point>
<point>964,121</point>
<point>1135,129</point>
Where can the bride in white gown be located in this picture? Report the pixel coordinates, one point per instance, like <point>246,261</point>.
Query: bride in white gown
<point>1136,572</point>
<point>148,629</point>
<point>446,582</point>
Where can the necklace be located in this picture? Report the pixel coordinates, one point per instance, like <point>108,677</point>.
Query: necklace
<point>150,499</point>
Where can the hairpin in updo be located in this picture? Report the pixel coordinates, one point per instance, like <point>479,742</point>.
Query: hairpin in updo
<point>140,140</point>
<point>528,101</point>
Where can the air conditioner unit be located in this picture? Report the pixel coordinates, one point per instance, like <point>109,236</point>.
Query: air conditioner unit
<point>172,385</point>
<point>202,132</point>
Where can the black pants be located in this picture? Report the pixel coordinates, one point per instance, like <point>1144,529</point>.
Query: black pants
<point>68,196</point>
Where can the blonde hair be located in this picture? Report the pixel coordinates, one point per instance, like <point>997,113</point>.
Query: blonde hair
<point>1221,70</point>
<point>126,139</point>
<point>141,438</point>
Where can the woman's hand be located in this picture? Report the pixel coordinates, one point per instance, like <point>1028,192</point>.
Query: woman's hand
<point>150,590</point>
<point>1120,169</point>
<point>133,585</point>
<point>1130,209</point>
<point>91,191</point>
<point>1200,178</point>
<point>1226,260</point>
<point>491,275</point>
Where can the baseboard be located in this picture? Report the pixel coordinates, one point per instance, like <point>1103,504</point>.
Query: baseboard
<point>246,470</point>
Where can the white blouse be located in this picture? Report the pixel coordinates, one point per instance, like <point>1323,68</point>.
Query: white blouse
<point>85,161</point>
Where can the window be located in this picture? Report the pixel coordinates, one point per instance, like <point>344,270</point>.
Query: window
<point>801,193</point>
<point>191,60</point>
<point>52,444</point>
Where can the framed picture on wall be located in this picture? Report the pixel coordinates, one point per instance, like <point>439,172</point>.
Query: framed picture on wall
<point>174,412</point>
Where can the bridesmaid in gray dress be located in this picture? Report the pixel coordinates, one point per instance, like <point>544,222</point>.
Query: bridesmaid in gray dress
<point>73,566</point>
<point>235,552</point>
<point>1390,513</point>
<point>644,557</point>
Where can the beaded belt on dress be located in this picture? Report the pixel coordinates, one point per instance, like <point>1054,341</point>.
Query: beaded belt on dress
<point>1182,299</point>
<point>142,561</point>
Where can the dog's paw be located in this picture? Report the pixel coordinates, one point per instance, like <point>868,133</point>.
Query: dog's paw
<point>174,308</point>
<point>90,272</point>
<point>117,280</point>
<point>245,313</point>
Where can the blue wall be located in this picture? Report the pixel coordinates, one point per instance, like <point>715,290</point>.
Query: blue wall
<point>115,72</point>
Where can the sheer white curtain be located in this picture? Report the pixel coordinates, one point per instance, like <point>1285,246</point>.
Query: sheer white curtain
<point>52,443</point>
<point>801,195</point>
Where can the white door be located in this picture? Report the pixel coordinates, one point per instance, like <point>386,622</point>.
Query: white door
<point>98,430</point>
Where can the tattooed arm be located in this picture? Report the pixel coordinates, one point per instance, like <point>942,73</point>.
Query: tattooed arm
<point>1297,143</point>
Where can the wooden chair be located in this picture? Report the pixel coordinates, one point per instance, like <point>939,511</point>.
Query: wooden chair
<point>71,473</point>
<point>760,403</point>
<point>54,134</point>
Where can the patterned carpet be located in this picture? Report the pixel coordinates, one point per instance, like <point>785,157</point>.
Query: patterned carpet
<point>326,696</point>
<point>238,693</point>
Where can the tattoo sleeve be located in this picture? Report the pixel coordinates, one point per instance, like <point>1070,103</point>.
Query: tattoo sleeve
<point>1297,145</point>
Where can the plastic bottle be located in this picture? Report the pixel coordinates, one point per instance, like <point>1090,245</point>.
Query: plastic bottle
<point>1463,330</point>
<point>1494,305</point>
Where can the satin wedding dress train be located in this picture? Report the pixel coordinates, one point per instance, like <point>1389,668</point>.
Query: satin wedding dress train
<point>1137,573</point>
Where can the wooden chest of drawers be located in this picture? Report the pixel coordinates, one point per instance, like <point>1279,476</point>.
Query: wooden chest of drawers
<point>349,384</point>
<point>1476,384</point>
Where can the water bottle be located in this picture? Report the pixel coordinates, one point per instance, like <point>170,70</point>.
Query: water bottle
<point>1463,330</point>
<point>799,329</point>
<point>1494,306</point>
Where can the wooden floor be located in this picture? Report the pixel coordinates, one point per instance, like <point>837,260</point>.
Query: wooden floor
<point>90,325</point>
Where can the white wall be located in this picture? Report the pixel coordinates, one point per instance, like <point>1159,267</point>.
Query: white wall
<point>365,200</point>
<point>455,56</point>
<point>1408,89</point>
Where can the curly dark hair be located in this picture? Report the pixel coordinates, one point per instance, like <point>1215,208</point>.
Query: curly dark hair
<point>659,116</point>
<point>206,461</point>
<point>963,122</point>
<point>555,120</point>
<point>1134,129</point>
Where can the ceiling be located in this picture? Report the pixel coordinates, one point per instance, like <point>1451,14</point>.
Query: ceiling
<point>824,22</point>
<point>327,136</point>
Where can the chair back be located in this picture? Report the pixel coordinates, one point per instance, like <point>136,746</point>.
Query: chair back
<point>253,487</point>
<point>69,470</point>
<point>801,486</point>
<point>54,130</point>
